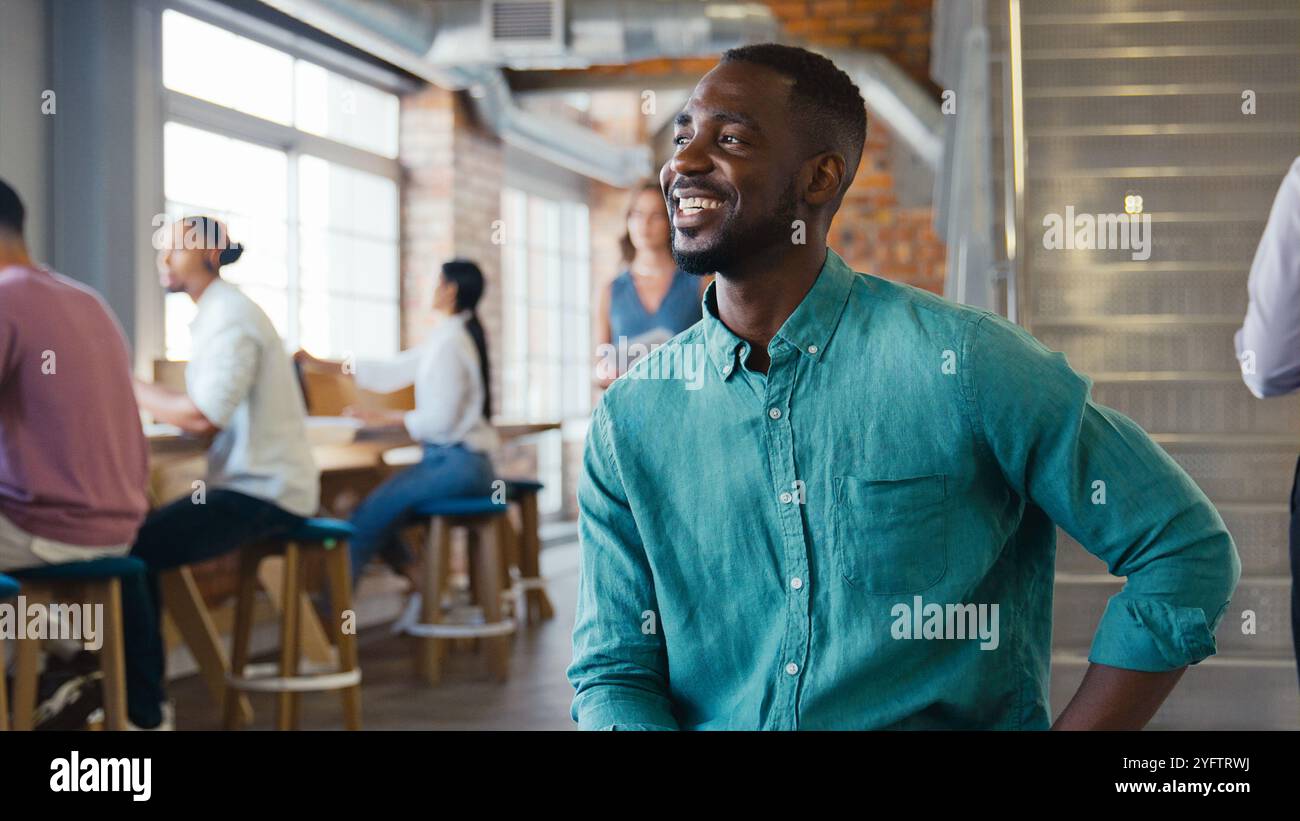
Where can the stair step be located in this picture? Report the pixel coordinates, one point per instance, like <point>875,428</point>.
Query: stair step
<point>1079,602</point>
<point>1237,469</point>
<point>1225,408</point>
<point>1166,242</point>
<point>1260,533</point>
<point>1242,69</point>
<point>1134,53</point>
<point>1103,12</point>
<point>1109,291</point>
<point>1161,30</point>
<point>1207,110</point>
<point>1156,347</point>
<point>1211,172</point>
<point>1217,694</point>
<point>1085,152</point>
<point>1251,196</point>
<point>1274,88</point>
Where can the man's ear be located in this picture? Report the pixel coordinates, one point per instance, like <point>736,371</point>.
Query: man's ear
<point>828,169</point>
<point>212,258</point>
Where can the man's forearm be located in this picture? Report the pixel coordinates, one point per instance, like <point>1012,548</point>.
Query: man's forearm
<point>1114,699</point>
<point>173,408</point>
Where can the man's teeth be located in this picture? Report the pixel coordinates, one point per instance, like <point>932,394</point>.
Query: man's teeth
<point>693,205</point>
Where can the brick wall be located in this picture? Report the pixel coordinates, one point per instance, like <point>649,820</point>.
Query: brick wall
<point>875,234</point>
<point>898,29</point>
<point>451,195</point>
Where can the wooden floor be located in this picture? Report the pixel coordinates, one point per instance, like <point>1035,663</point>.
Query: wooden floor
<point>537,696</point>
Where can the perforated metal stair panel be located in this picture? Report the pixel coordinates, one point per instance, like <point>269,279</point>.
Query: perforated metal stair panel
<point>1145,97</point>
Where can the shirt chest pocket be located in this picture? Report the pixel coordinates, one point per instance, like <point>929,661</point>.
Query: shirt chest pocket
<point>891,535</point>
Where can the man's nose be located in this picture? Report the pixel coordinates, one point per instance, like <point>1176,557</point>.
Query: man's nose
<point>691,158</point>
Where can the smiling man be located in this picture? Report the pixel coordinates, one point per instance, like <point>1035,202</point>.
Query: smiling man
<point>863,462</point>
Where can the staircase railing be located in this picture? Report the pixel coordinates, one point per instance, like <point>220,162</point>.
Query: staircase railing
<point>984,270</point>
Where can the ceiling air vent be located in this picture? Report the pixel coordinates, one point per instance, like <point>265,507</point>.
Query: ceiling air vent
<point>525,23</point>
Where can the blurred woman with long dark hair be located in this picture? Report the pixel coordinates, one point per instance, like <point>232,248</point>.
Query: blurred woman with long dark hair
<point>453,406</point>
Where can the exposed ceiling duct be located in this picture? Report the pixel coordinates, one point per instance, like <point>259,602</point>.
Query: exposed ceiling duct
<point>464,45</point>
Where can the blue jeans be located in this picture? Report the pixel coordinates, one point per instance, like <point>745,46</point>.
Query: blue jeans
<point>179,534</point>
<point>446,471</point>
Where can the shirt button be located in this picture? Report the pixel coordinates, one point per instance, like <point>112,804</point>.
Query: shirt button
<point>791,669</point>
<point>785,497</point>
<point>726,369</point>
<point>812,349</point>
<point>775,413</point>
<point>796,583</point>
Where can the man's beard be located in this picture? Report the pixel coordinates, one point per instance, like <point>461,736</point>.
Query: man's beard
<point>735,244</point>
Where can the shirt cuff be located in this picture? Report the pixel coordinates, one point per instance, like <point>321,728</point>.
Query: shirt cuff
<point>1151,636</point>
<point>215,406</point>
<point>594,712</point>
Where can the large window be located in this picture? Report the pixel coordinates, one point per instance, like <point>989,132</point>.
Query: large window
<point>546,263</point>
<point>299,160</point>
<point>546,282</point>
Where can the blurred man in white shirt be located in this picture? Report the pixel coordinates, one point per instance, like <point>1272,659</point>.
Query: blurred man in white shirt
<point>240,390</point>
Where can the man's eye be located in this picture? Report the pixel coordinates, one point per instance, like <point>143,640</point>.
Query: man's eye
<point>677,140</point>
<point>735,140</point>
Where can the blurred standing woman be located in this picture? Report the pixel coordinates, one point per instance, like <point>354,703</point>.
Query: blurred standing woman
<point>453,405</point>
<point>651,301</point>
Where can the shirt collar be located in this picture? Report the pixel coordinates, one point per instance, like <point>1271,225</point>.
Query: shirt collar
<point>207,301</point>
<point>809,328</point>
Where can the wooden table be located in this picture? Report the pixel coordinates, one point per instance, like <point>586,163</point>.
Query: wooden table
<point>177,461</point>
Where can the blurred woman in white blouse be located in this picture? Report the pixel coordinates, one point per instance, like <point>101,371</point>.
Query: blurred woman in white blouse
<point>453,405</point>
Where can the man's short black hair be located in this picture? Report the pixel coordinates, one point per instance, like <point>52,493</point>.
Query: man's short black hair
<point>826,102</point>
<point>12,213</point>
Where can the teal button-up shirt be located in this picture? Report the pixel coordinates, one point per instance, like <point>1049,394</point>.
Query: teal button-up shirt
<point>865,537</point>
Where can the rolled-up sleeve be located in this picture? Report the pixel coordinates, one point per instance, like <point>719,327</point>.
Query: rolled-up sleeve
<point>1268,343</point>
<point>220,376</point>
<point>620,668</point>
<point>1106,483</point>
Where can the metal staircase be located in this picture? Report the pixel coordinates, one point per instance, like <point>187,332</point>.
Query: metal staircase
<point>1145,97</point>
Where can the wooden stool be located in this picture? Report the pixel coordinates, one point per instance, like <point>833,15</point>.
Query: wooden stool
<point>488,531</point>
<point>98,581</point>
<point>8,589</point>
<point>329,536</point>
<point>530,587</point>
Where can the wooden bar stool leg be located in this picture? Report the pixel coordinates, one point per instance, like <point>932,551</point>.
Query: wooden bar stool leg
<point>340,584</point>
<point>27,670</point>
<point>485,560</point>
<point>287,708</point>
<point>509,549</point>
<point>530,558</point>
<point>507,558</point>
<point>184,603</point>
<point>26,673</point>
<point>472,573</point>
<point>112,656</point>
<point>429,649</point>
<point>245,598</point>
<point>315,638</point>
